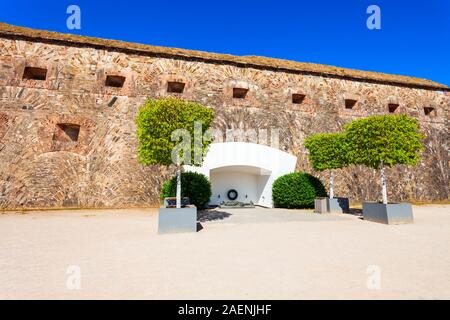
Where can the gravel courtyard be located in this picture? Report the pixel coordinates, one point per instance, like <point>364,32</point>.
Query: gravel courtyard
<point>239,254</point>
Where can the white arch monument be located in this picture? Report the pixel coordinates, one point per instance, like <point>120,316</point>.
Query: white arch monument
<point>248,168</point>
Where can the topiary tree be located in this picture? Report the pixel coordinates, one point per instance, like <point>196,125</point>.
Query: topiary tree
<point>297,190</point>
<point>196,187</point>
<point>162,123</point>
<point>384,141</point>
<point>328,151</point>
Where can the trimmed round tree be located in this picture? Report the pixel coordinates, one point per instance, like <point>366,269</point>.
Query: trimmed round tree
<point>195,185</point>
<point>172,131</point>
<point>296,191</point>
<point>384,141</point>
<point>328,151</point>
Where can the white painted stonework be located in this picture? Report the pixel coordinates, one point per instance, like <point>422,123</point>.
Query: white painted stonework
<point>248,168</point>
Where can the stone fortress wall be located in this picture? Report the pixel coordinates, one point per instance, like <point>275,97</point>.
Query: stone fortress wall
<point>68,108</point>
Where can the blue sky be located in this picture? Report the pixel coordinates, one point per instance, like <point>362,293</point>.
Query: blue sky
<point>414,38</point>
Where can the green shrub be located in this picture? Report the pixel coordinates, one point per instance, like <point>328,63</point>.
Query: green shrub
<point>161,123</point>
<point>195,186</point>
<point>157,121</point>
<point>327,151</point>
<point>297,190</point>
<point>384,141</point>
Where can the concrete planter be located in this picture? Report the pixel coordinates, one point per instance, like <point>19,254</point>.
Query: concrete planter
<point>391,213</point>
<point>175,220</point>
<point>320,205</point>
<point>171,202</point>
<point>335,205</point>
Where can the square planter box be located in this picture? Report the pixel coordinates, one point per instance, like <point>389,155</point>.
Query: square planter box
<point>320,205</point>
<point>391,213</point>
<point>171,202</point>
<point>174,220</point>
<point>335,205</point>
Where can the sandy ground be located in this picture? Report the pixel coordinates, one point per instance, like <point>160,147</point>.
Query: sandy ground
<point>239,255</point>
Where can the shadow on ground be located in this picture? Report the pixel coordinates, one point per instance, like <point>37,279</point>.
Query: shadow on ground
<point>355,212</point>
<point>212,215</point>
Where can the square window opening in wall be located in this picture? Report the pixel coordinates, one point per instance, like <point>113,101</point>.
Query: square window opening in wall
<point>350,103</point>
<point>393,107</point>
<point>66,132</point>
<point>239,93</point>
<point>114,81</point>
<point>298,98</point>
<point>32,73</point>
<point>429,111</point>
<point>175,86</point>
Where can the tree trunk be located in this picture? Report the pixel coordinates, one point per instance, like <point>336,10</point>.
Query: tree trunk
<point>178,187</point>
<point>383,185</point>
<point>331,185</point>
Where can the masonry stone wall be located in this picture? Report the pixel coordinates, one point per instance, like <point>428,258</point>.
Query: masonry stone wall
<point>40,168</point>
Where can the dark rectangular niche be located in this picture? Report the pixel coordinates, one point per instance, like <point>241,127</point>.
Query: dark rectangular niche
<point>32,73</point>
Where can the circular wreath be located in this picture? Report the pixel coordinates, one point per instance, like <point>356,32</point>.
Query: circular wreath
<point>232,194</point>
